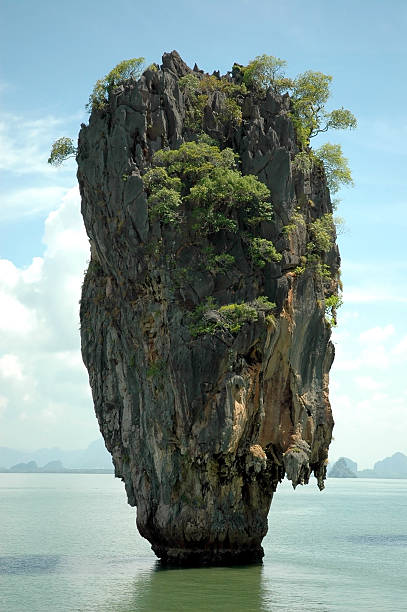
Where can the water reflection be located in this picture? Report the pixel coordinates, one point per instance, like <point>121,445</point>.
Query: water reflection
<point>211,589</point>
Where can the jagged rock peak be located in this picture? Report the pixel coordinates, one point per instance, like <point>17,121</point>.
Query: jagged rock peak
<point>173,62</point>
<point>203,323</point>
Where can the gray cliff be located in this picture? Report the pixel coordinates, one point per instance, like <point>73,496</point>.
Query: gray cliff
<point>202,428</point>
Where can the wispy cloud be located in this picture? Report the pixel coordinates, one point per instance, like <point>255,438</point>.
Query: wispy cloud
<point>360,295</point>
<point>30,186</point>
<point>30,201</point>
<point>25,144</point>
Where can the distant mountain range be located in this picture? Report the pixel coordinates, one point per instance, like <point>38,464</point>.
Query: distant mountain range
<point>390,467</point>
<point>94,457</point>
<point>53,467</point>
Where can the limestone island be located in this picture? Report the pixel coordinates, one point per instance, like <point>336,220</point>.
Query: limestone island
<point>204,310</point>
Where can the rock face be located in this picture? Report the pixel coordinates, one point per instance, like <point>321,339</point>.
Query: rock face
<point>202,428</point>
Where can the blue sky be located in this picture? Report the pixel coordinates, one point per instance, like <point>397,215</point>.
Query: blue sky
<point>52,55</point>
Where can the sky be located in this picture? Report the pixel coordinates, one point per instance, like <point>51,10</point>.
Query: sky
<point>52,53</point>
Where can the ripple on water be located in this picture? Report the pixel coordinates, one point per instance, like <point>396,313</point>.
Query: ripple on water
<point>379,539</point>
<point>29,564</point>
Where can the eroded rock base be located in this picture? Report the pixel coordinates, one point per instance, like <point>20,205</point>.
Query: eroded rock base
<point>183,557</point>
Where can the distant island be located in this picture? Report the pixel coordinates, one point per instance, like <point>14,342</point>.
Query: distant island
<point>93,460</point>
<point>389,467</point>
<point>53,467</point>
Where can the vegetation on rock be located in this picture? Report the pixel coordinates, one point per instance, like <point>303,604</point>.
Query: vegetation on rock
<point>332,303</point>
<point>214,195</point>
<point>198,337</point>
<point>127,69</point>
<point>336,166</point>
<point>263,251</point>
<point>264,72</point>
<point>322,233</point>
<point>197,90</point>
<point>61,150</point>
<point>309,94</point>
<point>207,318</point>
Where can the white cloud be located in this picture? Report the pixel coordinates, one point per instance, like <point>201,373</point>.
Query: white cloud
<point>3,404</point>
<point>368,396</point>
<point>401,348</point>
<point>368,351</point>
<point>376,334</point>
<point>45,398</point>
<point>368,428</point>
<point>14,316</point>
<point>368,383</point>
<point>10,367</point>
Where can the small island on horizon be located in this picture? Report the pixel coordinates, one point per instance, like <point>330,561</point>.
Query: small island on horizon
<point>389,467</point>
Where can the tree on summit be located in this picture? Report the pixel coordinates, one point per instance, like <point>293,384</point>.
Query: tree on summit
<point>309,93</point>
<point>63,148</point>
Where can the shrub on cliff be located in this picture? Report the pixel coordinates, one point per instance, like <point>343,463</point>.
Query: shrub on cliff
<point>196,91</point>
<point>62,149</point>
<point>127,69</point>
<point>322,232</point>
<point>310,93</point>
<point>205,179</point>
<point>266,71</point>
<point>336,166</point>
<point>207,318</point>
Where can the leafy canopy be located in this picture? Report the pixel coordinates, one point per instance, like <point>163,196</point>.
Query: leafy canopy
<point>310,93</point>
<point>336,166</point>
<point>205,179</point>
<point>322,232</point>
<point>263,251</point>
<point>62,149</point>
<point>266,71</point>
<point>127,69</point>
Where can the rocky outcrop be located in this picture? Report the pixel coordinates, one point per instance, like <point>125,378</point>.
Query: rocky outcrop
<point>342,469</point>
<point>202,428</point>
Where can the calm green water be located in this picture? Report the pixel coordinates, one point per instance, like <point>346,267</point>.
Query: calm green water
<point>68,543</point>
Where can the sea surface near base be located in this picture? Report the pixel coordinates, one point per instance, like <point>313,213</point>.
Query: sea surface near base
<point>68,542</point>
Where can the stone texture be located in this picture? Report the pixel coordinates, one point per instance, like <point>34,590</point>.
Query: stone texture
<point>201,430</point>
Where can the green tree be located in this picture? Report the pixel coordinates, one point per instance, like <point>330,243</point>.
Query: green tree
<point>206,180</point>
<point>62,149</point>
<point>310,93</point>
<point>127,69</point>
<point>266,71</point>
<point>335,164</point>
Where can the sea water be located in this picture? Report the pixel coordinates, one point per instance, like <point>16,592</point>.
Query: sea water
<point>68,542</point>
